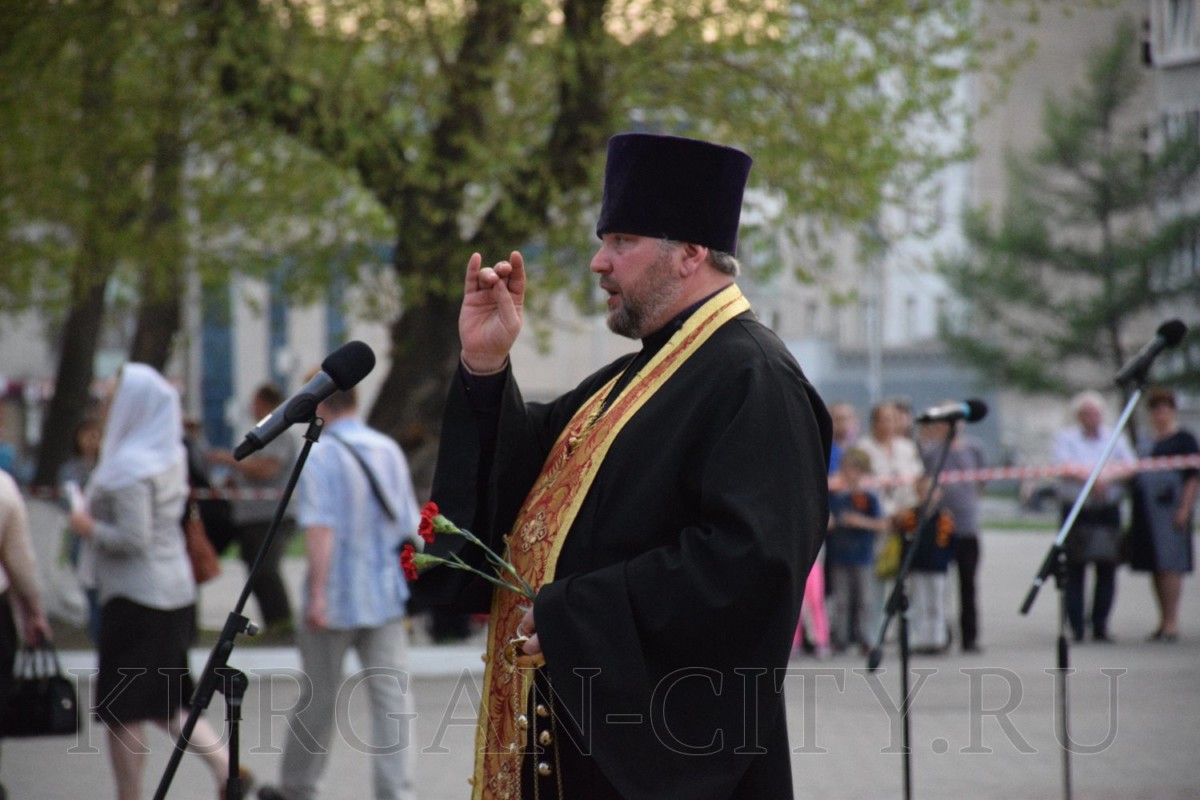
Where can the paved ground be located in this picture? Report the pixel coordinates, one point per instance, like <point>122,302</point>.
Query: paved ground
<point>981,726</point>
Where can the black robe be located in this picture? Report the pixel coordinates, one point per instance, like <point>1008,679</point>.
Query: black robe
<point>678,588</point>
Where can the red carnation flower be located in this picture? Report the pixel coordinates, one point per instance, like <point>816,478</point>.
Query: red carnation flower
<point>425,529</point>
<point>408,562</point>
<point>502,573</point>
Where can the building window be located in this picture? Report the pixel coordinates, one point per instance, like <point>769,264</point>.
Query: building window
<point>1183,125</point>
<point>1179,269</point>
<point>845,329</point>
<point>812,310</point>
<point>941,311</point>
<point>867,321</point>
<point>1178,30</point>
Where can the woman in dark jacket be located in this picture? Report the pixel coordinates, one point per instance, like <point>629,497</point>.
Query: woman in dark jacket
<point>1161,535</point>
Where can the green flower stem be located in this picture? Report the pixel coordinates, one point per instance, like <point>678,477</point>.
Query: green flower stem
<point>444,525</point>
<point>457,563</point>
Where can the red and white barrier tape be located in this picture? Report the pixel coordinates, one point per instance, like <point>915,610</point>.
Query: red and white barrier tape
<point>1116,471</point>
<point>53,492</point>
<point>1113,471</point>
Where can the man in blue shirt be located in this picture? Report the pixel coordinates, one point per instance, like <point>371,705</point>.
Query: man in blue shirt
<point>357,505</point>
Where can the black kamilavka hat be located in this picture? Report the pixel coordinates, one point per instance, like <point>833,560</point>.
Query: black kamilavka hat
<point>674,188</point>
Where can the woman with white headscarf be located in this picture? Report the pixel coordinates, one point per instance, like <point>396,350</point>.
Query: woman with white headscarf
<point>134,552</point>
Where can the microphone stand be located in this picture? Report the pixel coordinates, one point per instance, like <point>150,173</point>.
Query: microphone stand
<point>897,605</point>
<point>1055,563</point>
<point>217,675</point>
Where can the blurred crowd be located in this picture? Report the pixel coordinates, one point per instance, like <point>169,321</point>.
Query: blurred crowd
<point>137,460</point>
<point>884,502</point>
<point>139,479</point>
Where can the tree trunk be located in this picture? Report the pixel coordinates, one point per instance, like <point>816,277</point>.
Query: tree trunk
<point>424,339</point>
<point>162,288</point>
<point>72,390</point>
<point>430,254</point>
<point>157,324</point>
<point>423,359</point>
<point>105,188</point>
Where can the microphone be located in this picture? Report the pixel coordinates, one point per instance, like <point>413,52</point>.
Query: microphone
<point>1169,334</point>
<point>971,410</point>
<point>340,370</point>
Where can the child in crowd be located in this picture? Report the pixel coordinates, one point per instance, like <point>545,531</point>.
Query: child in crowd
<point>927,578</point>
<point>855,521</point>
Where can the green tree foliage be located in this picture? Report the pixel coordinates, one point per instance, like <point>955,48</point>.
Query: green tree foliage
<point>313,132</point>
<point>482,126</point>
<point>110,131</point>
<point>66,215</point>
<point>1061,287</point>
<point>252,197</point>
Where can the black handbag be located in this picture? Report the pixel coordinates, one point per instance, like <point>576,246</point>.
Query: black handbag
<point>1094,544</point>
<point>43,701</point>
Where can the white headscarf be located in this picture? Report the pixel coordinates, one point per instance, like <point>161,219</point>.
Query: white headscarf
<point>143,434</point>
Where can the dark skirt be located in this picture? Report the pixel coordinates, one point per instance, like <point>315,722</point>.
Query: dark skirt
<point>9,643</point>
<point>143,661</point>
<point>1155,544</point>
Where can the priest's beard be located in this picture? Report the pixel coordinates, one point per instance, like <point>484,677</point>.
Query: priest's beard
<point>647,303</point>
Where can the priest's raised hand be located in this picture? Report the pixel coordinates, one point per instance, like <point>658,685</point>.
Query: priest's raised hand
<point>492,309</point>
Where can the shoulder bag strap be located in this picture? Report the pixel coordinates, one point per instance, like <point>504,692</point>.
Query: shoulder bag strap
<point>375,488</point>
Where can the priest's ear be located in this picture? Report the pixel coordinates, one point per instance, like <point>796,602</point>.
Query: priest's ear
<point>691,258</point>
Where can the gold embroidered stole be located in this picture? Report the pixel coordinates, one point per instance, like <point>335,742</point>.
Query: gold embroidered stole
<point>541,528</point>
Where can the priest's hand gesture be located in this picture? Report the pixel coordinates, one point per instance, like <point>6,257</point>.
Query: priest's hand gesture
<point>490,319</point>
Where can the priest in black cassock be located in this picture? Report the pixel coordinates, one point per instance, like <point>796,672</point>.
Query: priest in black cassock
<point>667,510</point>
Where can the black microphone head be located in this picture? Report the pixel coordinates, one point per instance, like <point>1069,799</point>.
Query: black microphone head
<point>349,364</point>
<point>976,410</point>
<point>1172,331</point>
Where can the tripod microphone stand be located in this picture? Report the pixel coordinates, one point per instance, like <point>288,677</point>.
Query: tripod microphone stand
<point>897,605</point>
<point>217,674</point>
<point>1134,372</point>
<point>1055,563</point>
